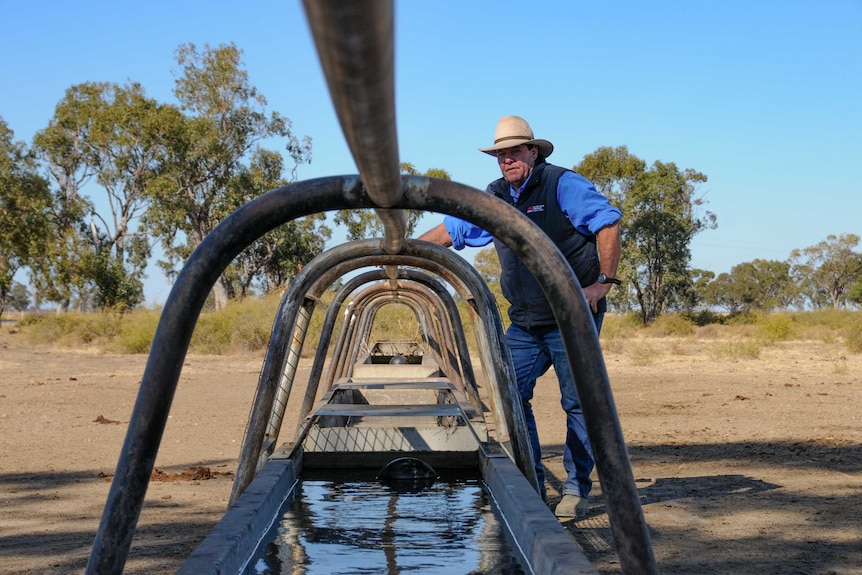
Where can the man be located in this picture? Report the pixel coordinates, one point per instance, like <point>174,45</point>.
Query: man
<point>585,227</point>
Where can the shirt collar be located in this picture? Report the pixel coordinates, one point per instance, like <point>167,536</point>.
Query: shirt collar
<point>517,193</point>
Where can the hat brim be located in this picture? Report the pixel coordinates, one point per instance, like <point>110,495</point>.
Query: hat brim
<point>546,148</point>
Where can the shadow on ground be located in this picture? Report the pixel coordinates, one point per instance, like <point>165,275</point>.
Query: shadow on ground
<point>718,498</point>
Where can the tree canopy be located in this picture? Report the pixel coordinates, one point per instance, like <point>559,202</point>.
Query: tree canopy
<point>24,204</point>
<point>365,223</point>
<point>661,215</point>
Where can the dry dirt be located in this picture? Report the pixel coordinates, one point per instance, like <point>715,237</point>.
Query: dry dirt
<point>744,466</point>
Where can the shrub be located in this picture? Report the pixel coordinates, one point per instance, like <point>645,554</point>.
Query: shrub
<point>744,318</point>
<point>136,335</point>
<point>853,336</point>
<point>738,349</point>
<point>705,317</point>
<point>672,324</point>
<point>621,325</point>
<point>777,327</point>
<point>643,353</point>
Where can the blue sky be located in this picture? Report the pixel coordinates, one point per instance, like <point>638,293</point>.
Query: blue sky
<point>765,98</point>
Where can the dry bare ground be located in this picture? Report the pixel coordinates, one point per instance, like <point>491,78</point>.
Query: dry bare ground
<point>744,466</point>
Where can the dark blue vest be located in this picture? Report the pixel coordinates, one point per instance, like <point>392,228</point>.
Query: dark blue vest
<point>538,201</point>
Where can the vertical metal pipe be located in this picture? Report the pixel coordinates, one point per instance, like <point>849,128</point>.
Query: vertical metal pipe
<point>355,43</point>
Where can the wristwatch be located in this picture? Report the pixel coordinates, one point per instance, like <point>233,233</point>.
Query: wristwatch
<point>604,279</point>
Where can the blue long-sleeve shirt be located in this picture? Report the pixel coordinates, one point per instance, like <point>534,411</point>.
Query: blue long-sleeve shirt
<point>587,209</point>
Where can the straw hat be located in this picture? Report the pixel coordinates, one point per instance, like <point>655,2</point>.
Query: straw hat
<point>513,131</point>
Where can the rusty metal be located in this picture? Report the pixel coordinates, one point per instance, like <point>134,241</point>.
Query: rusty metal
<point>355,44</point>
<point>239,230</point>
<point>334,263</point>
<point>335,308</point>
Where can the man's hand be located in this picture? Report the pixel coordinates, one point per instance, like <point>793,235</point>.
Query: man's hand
<point>594,293</point>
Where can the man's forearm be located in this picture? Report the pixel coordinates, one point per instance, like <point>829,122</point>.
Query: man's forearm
<point>608,245</point>
<point>437,235</point>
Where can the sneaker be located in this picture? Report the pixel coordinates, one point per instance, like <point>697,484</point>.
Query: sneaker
<point>572,506</point>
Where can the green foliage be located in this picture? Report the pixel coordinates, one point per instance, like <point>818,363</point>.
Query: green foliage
<point>661,215</point>
<point>853,336</point>
<point>207,153</point>
<point>24,211</point>
<point>744,318</point>
<point>620,325</point>
<point>705,317</point>
<point>672,324</point>
<point>738,349</point>
<point>758,285</point>
<point>117,288</point>
<point>274,259</point>
<point>827,272</point>
<point>361,224</point>
<point>19,297</point>
<point>777,327</point>
<point>112,136</point>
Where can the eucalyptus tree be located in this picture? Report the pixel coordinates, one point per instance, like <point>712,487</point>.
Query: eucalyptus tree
<point>225,119</point>
<point>661,215</point>
<point>362,224</point>
<point>113,138</point>
<point>273,260</point>
<point>24,202</point>
<point>828,270</point>
<point>764,285</point>
<point>65,156</point>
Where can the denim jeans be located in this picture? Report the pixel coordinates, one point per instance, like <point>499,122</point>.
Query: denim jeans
<point>533,352</point>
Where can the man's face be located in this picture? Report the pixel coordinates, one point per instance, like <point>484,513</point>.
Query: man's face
<point>516,163</point>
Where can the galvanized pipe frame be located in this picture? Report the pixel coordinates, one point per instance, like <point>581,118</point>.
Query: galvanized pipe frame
<point>335,307</point>
<point>288,372</point>
<point>373,298</point>
<point>439,329</point>
<point>322,272</point>
<point>366,306</point>
<point>485,304</point>
<point>487,329</point>
<point>240,229</point>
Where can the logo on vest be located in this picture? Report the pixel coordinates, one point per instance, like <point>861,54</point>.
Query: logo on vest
<point>535,209</point>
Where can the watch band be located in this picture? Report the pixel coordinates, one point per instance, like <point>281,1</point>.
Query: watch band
<point>604,279</point>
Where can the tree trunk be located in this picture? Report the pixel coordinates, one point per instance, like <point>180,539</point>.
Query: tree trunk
<point>220,293</point>
<point>63,306</point>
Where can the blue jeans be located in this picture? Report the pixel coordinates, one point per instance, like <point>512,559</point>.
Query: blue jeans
<point>533,353</point>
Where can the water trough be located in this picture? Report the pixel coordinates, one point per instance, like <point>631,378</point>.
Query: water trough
<point>354,413</point>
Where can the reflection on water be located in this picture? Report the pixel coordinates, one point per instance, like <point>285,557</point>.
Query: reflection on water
<point>359,527</point>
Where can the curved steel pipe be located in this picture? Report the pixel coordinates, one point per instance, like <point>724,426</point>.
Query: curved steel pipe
<point>262,214</point>
<point>330,265</point>
<point>355,43</point>
<point>335,307</point>
<point>438,334</point>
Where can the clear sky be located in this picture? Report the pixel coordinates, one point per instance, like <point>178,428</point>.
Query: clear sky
<point>764,97</point>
